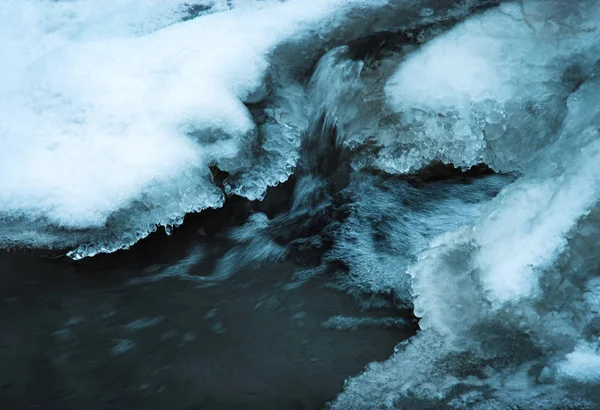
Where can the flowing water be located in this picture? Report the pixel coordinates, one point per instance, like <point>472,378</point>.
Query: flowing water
<point>243,203</point>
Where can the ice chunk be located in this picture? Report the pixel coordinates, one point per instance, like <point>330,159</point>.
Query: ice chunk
<point>583,364</point>
<point>496,81</point>
<point>112,113</point>
<point>508,303</point>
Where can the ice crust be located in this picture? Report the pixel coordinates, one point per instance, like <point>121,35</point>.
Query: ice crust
<point>494,88</point>
<point>110,117</point>
<point>509,301</point>
<point>113,112</point>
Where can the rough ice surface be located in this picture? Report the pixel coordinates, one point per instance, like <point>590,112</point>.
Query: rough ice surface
<point>113,113</point>
<point>112,117</point>
<point>508,302</point>
<point>583,364</point>
<point>494,88</point>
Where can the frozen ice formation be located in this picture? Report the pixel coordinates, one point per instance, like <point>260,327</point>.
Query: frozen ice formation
<point>509,301</point>
<point>112,113</point>
<point>492,89</point>
<point>112,116</point>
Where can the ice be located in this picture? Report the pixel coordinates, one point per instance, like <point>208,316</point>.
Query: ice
<point>115,116</point>
<point>583,364</point>
<point>112,114</point>
<point>275,160</point>
<point>349,95</point>
<point>508,302</point>
<point>492,89</point>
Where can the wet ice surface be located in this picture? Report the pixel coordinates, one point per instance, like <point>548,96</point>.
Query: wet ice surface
<point>117,110</point>
<point>96,334</point>
<point>442,156</point>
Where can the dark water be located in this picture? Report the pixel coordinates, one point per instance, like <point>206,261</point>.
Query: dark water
<point>99,334</point>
